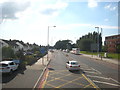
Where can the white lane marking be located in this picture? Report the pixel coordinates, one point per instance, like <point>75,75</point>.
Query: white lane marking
<point>106,83</point>
<point>86,69</point>
<point>99,77</point>
<point>97,71</point>
<point>90,72</point>
<point>115,80</point>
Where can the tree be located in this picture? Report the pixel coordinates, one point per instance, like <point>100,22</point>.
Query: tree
<point>104,48</point>
<point>20,55</point>
<point>118,48</point>
<point>7,52</point>
<point>64,44</point>
<point>85,42</point>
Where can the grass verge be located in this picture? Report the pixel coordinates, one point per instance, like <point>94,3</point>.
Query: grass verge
<point>110,55</point>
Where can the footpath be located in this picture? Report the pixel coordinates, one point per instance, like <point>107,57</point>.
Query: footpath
<point>44,62</point>
<point>114,61</point>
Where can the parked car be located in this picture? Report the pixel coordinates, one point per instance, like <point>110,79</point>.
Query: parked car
<point>72,65</point>
<point>8,66</point>
<point>16,61</point>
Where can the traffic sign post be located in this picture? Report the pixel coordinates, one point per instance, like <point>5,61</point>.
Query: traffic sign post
<point>42,50</point>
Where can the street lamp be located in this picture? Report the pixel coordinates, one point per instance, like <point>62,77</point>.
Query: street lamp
<point>48,41</point>
<point>98,41</point>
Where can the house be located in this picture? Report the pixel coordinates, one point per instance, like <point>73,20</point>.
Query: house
<point>17,45</point>
<point>3,43</point>
<point>112,42</point>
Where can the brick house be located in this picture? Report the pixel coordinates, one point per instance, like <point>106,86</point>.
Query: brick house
<point>112,43</point>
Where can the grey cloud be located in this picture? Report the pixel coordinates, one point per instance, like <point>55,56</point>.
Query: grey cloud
<point>9,9</point>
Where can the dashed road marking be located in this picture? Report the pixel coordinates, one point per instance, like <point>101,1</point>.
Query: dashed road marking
<point>106,83</point>
<point>91,72</point>
<point>97,71</point>
<point>99,77</point>
<point>115,80</point>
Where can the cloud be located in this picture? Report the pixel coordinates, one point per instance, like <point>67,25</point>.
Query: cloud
<point>93,26</point>
<point>110,7</point>
<point>92,3</point>
<point>50,9</point>
<point>113,8</point>
<point>106,20</point>
<point>9,9</point>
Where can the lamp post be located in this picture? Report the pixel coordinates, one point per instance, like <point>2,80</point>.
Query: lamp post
<point>48,41</point>
<point>98,41</point>
<point>101,38</point>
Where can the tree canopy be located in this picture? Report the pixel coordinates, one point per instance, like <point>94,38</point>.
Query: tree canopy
<point>64,44</point>
<point>85,42</point>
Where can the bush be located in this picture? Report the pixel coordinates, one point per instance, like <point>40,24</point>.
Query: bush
<point>7,52</point>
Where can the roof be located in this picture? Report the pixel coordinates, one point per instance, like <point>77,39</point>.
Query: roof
<point>72,61</point>
<point>6,62</point>
<point>113,35</point>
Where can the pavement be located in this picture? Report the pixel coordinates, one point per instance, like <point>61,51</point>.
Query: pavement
<point>114,61</point>
<point>42,62</point>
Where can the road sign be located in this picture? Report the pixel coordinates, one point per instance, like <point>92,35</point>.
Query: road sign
<point>42,50</point>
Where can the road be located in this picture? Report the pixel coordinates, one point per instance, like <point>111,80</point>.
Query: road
<point>93,73</point>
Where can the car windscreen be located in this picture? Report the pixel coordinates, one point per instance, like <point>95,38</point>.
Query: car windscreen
<point>74,63</point>
<point>3,65</point>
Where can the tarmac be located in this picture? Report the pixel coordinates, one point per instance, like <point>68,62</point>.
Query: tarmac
<point>46,60</point>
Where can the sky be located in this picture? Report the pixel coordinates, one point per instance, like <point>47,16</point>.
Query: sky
<point>28,20</point>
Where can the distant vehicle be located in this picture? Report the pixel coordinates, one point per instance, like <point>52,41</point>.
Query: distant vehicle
<point>64,50</point>
<point>8,66</point>
<point>75,50</point>
<point>28,53</point>
<point>72,65</point>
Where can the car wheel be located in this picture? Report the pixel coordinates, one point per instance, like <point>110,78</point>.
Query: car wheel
<point>11,71</point>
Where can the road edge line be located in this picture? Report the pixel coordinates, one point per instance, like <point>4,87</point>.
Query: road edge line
<point>43,85</point>
<point>91,82</point>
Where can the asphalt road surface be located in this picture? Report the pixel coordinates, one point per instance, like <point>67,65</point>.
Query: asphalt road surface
<point>93,73</point>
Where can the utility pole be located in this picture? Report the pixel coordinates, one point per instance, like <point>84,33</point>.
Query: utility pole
<point>98,41</point>
<point>48,41</point>
<point>101,38</point>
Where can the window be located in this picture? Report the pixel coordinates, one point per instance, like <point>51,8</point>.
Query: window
<point>74,63</point>
<point>12,63</point>
<point>3,65</point>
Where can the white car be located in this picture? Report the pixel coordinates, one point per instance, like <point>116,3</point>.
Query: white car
<point>72,65</point>
<point>8,66</point>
